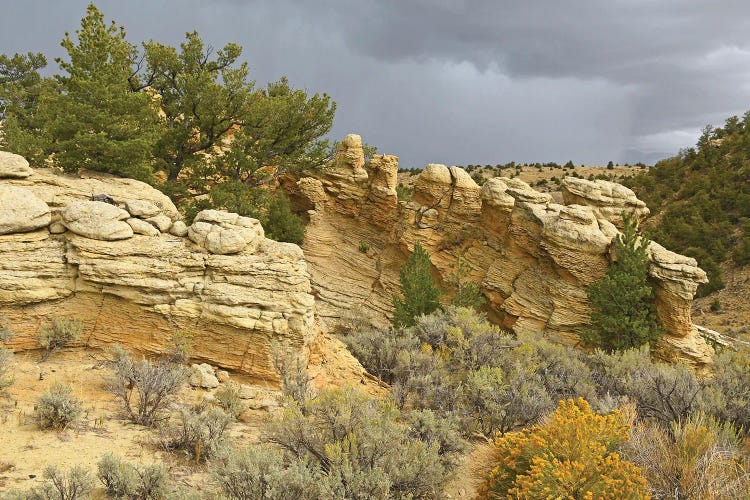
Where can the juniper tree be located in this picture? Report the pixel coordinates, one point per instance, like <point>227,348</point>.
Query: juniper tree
<point>623,313</point>
<point>420,293</point>
<point>96,120</point>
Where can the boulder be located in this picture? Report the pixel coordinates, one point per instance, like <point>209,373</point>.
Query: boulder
<point>203,376</point>
<point>608,199</point>
<point>225,233</point>
<point>14,166</point>
<point>142,227</point>
<point>178,228</point>
<point>21,211</point>
<point>57,228</point>
<point>160,222</point>
<point>142,208</point>
<point>97,220</point>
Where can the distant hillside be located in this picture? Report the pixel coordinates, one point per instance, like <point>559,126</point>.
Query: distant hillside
<point>700,199</point>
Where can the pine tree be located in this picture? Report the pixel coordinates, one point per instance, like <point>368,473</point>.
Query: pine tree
<point>623,313</point>
<point>420,293</point>
<point>97,121</point>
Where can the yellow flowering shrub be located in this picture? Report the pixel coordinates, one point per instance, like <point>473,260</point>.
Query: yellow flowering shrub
<point>571,456</point>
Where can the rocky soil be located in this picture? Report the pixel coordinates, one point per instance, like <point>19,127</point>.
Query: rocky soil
<point>26,450</point>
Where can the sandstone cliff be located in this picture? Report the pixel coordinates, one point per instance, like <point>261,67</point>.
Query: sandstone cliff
<point>134,273</point>
<point>533,257</point>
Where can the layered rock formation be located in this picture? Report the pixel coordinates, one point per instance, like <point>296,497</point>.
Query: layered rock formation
<point>533,257</point>
<point>118,266</point>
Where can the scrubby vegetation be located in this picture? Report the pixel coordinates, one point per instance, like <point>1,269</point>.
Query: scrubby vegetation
<point>127,481</point>
<point>701,199</point>
<point>144,388</point>
<point>58,332</point>
<point>697,457</point>
<point>57,408</point>
<point>199,432</point>
<point>464,370</point>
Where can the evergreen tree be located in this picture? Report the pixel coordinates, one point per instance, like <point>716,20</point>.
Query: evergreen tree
<point>623,313</point>
<point>420,293</point>
<point>282,224</point>
<point>96,121</point>
<point>21,89</point>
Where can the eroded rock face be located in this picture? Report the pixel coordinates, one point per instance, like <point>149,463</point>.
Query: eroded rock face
<point>533,257</point>
<point>609,200</point>
<point>138,290</point>
<point>224,233</point>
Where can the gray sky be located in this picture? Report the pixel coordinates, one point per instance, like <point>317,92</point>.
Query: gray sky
<point>461,81</point>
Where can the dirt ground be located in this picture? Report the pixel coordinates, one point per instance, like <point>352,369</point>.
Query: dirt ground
<point>731,314</point>
<point>25,450</point>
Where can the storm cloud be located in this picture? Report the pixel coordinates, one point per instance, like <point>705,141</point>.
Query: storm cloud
<point>462,82</point>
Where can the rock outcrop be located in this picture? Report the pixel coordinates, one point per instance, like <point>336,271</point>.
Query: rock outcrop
<point>533,257</point>
<point>132,281</point>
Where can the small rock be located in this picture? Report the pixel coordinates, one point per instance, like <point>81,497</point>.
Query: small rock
<point>247,417</point>
<point>222,376</point>
<point>179,228</point>
<point>160,222</point>
<point>142,208</point>
<point>142,227</point>
<point>14,166</point>
<point>267,404</point>
<point>203,376</point>
<point>57,228</point>
<point>248,392</point>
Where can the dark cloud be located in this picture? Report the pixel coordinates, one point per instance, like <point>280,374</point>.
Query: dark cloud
<point>459,81</point>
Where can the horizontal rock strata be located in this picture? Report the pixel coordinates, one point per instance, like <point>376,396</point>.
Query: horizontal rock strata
<point>134,274</point>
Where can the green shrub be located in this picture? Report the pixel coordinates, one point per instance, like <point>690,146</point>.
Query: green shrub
<point>228,399</point>
<point>57,408</point>
<point>363,247</point>
<point>144,388</point>
<point>260,472</point>
<point>403,192</point>
<point>295,381</point>
<point>662,391</point>
<point>198,433</point>
<point>180,347</point>
<point>715,306</point>
<point>59,484</point>
<point>418,289</point>
<point>125,480</point>
<point>467,293</point>
<point>282,224</point>
<point>361,444</point>
<point>731,383</point>
<point>623,312</point>
<point>57,333</point>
